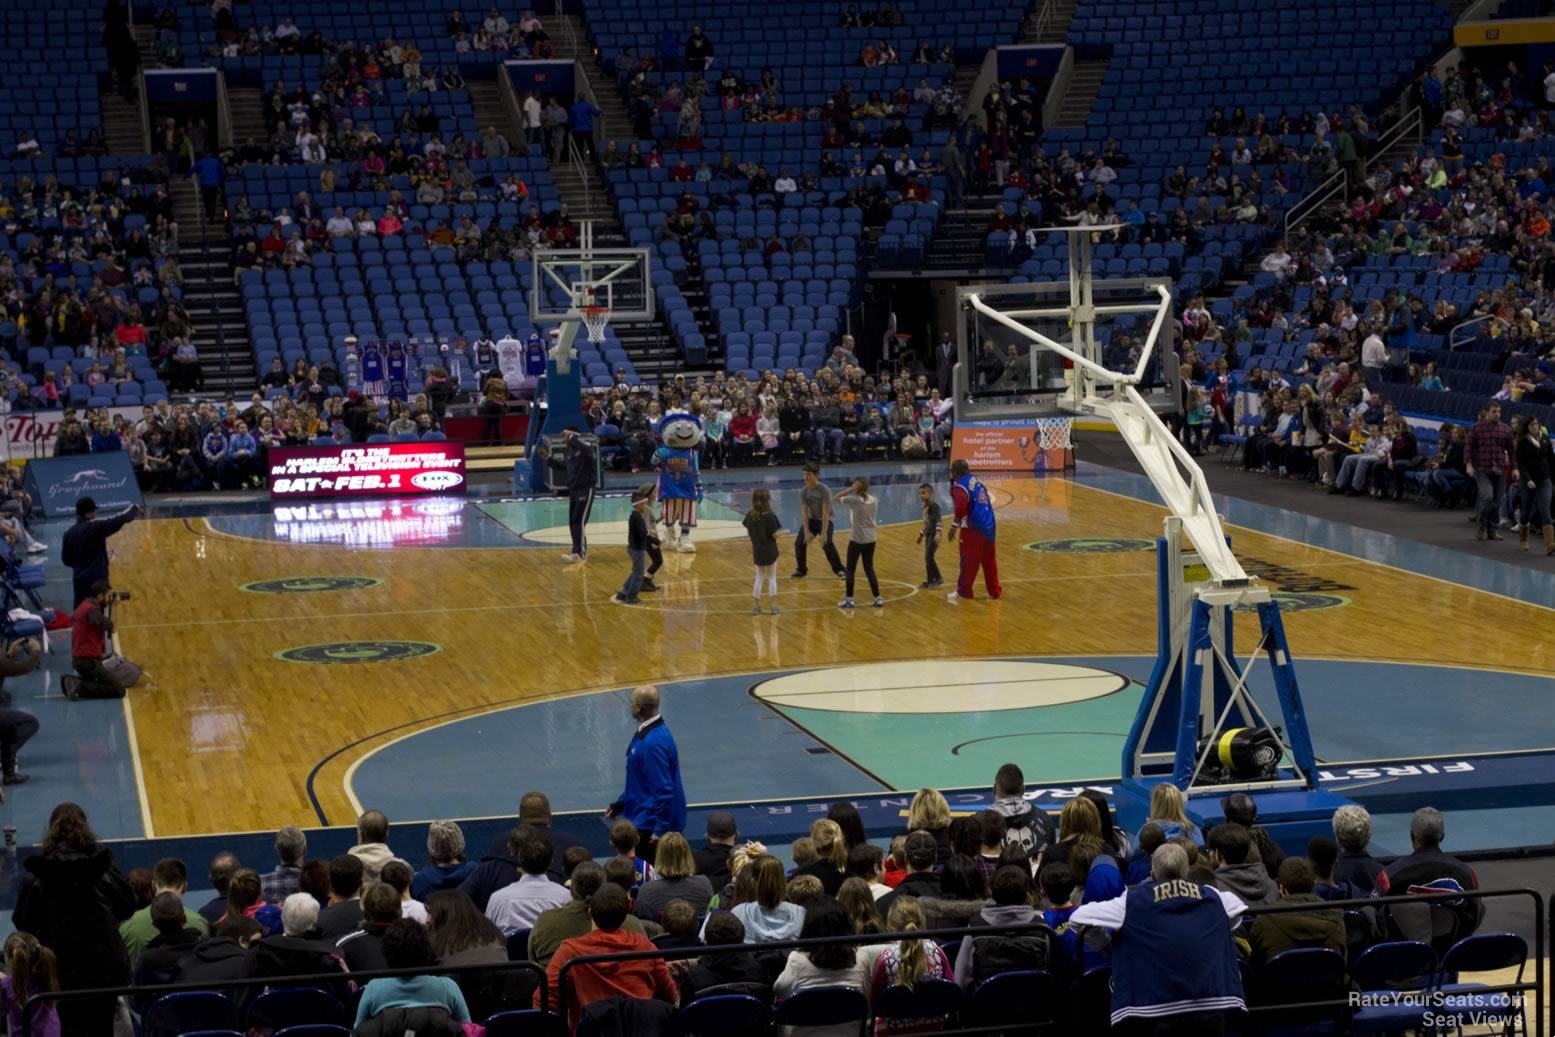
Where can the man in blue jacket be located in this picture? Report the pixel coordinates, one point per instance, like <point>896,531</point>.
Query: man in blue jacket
<point>654,799</point>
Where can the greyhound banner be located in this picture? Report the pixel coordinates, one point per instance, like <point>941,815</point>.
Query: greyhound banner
<point>57,482</point>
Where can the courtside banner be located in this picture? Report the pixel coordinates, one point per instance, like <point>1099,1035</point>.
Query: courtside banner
<point>371,469</point>
<point>57,482</point>
<point>1007,445</point>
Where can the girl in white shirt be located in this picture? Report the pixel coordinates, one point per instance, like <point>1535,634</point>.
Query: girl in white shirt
<point>832,965</point>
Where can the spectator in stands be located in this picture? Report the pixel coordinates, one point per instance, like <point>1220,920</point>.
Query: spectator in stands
<point>828,965</point>
<point>749,971</point>
<point>1322,856</point>
<point>407,945</point>
<point>1241,809</point>
<point>139,930</point>
<point>516,906</point>
<point>919,854</point>
<point>344,913</point>
<point>1292,930</point>
<point>1237,867</point>
<point>172,938</point>
<point>296,950</point>
<point>1428,869</point>
<point>572,919</point>
<point>675,878</point>
<point>981,957</point>
<point>580,121</point>
<point>698,49</point>
<point>461,935</point>
<point>372,834</point>
<point>447,866</point>
<point>642,979</point>
<point>712,861</point>
<point>769,917</point>
<point>72,898</point>
<point>1490,454</point>
<point>223,866</point>
<point>362,948</point>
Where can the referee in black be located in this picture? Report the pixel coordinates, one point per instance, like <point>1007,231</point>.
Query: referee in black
<point>582,463</point>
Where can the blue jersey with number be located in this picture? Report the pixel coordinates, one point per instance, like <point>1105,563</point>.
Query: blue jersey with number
<point>534,355</point>
<point>372,363</point>
<point>980,514</point>
<point>396,362</point>
<point>678,473</point>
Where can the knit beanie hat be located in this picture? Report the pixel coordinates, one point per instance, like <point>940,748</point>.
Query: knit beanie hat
<point>445,842</point>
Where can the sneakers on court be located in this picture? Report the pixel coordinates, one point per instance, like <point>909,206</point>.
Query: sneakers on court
<point>772,611</point>
<point>648,586</point>
<point>841,574</point>
<point>570,557</point>
<point>798,574</point>
<point>879,603</point>
<point>756,609</point>
<point>954,597</point>
<point>619,600</point>
<point>845,603</point>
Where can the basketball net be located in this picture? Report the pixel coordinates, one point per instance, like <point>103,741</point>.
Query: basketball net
<point>595,318</point>
<point>1053,433</point>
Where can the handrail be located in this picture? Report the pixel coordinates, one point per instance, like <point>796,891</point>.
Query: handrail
<point>1413,119</point>
<point>1044,16</point>
<point>567,31</point>
<point>210,286</point>
<point>1452,335</point>
<point>576,161</point>
<point>1315,200</point>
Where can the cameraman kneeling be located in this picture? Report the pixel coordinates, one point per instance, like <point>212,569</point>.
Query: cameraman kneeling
<point>100,673</point>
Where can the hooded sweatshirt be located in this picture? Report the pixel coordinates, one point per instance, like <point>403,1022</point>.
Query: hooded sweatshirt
<point>373,857</point>
<point>763,926</point>
<point>1024,825</point>
<point>993,914</point>
<point>213,959</point>
<point>644,978</point>
<point>1288,931</point>
<point>1247,880</point>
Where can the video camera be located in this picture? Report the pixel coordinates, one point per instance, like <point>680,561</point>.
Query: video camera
<point>118,596</point>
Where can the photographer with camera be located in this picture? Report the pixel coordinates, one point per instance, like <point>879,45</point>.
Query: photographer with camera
<point>16,725</point>
<point>85,547</point>
<point>100,673</point>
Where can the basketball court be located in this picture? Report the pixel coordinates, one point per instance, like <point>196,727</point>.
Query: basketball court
<point>435,658</point>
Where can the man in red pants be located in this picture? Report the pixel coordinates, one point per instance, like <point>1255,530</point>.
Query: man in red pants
<point>975,519</point>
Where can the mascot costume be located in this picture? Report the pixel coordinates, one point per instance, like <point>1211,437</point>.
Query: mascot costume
<point>680,477</point>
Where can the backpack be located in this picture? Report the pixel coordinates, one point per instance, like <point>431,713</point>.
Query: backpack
<point>1032,950</point>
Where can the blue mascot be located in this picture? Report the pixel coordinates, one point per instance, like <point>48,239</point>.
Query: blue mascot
<point>680,477</point>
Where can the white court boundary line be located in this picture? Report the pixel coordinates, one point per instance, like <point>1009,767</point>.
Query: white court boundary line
<point>141,795</point>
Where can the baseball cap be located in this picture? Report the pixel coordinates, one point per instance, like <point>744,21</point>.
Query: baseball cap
<point>720,825</point>
<point>921,851</point>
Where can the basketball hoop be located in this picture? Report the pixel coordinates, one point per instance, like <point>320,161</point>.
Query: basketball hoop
<point>594,319</point>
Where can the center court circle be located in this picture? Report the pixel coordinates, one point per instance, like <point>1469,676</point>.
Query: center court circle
<point>346,652</point>
<point>613,534</point>
<point>940,686</point>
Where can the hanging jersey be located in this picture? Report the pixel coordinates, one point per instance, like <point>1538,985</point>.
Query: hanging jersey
<point>372,364</point>
<point>510,361</point>
<point>397,365</point>
<point>485,354</point>
<point>534,356</point>
<point>980,515</point>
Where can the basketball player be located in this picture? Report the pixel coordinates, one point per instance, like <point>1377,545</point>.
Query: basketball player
<point>975,521</point>
<point>582,477</point>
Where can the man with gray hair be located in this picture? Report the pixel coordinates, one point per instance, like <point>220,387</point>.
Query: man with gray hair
<point>1174,962</point>
<point>291,846</point>
<point>1429,870</point>
<point>1355,865</point>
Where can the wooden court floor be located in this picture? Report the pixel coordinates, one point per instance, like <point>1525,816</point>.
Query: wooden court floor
<point>229,734</point>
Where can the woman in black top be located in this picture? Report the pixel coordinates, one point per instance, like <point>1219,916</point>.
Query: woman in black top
<point>762,526</point>
<point>1534,463</point>
<point>832,864</point>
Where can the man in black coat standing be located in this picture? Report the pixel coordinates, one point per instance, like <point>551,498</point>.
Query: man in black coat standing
<point>85,547</point>
<point>945,364</point>
<point>582,463</point>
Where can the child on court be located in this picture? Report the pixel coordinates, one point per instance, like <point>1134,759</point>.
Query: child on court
<point>929,536</point>
<point>637,534</point>
<point>655,552</point>
<point>762,525</point>
<point>861,539</point>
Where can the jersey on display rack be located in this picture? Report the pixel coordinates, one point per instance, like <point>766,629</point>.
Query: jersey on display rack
<point>534,355</point>
<point>510,361</point>
<point>372,369</point>
<point>397,365</point>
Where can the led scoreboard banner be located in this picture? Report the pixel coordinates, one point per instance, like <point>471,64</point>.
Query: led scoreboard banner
<point>387,469</point>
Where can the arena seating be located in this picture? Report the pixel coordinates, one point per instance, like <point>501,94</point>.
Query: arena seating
<point>59,92</point>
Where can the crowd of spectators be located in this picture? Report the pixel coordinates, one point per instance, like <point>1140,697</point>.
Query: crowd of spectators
<point>95,271</point>
<point>538,895</point>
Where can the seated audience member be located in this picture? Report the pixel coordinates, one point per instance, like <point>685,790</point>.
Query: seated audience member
<point>1290,930</point>
<point>138,930</point>
<point>363,949</point>
<point>751,972</point>
<point>804,888</point>
<point>223,866</point>
<point>245,897</point>
<point>625,838</point>
<point>1024,824</point>
<point>534,809</point>
<point>495,871</point>
<point>344,913</point>
<point>905,963</point>
<point>1237,867</point>
<point>962,895</point>
<point>831,856</point>
<point>642,979</point>
<point>675,879</point>
<point>1151,836</point>
<point>868,863</point>
<point>560,924</point>
<point>770,916</point>
<point>461,935</point>
<point>447,866</point>
<point>983,956</point>
<point>409,1004</point>
<point>398,875</point>
<point>1429,870</point>
<point>919,852</point>
<point>828,965</point>
<point>712,860</point>
<point>1174,960</point>
<point>1169,810</point>
<point>1355,866</point>
<point>1242,809</point>
<point>297,950</point>
<point>1322,855</point>
<point>372,836</point>
<point>175,938</point>
<point>291,847</point>
<point>222,955</point>
<point>516,906</point>
<point>680,927</point>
